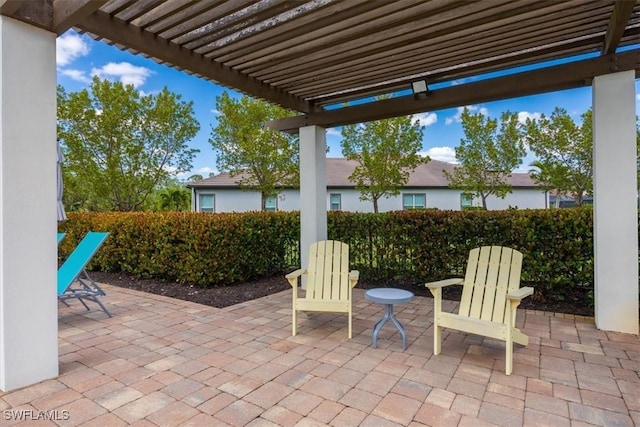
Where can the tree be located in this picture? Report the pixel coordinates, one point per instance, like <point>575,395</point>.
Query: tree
<point>119,145</point>
<point>565,153</point>
<point>387,151</point>
<point>169,195</point>
<point>487,155</point>
<point>195,177</point>
<point>264,159</point>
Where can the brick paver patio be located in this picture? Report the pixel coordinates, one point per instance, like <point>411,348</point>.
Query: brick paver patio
<point>161,361</point>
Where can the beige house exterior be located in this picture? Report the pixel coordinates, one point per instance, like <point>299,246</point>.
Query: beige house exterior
<point>427,188</point>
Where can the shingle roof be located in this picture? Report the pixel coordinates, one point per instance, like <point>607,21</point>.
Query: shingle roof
<point>339,170</point>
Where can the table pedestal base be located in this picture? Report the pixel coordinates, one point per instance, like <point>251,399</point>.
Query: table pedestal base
<point>388,314</point>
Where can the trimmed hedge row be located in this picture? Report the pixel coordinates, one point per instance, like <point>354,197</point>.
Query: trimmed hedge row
<point>432,245</point>
<point>418,246</point>
<point>205,249</point>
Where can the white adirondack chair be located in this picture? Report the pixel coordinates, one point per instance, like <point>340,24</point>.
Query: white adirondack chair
<point>329,282</point>
<point>490,295</point>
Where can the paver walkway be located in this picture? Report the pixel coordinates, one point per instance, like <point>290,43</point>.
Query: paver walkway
<point>161,361</point>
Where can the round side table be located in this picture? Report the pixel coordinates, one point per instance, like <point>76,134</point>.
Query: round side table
<point>388,297</point>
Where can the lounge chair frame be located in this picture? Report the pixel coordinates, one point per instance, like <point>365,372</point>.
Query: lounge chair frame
<point>73,280</point>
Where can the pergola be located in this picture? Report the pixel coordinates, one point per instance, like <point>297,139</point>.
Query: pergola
<point>314,57</point>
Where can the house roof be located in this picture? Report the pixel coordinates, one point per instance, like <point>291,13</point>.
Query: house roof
<point>311,55</point>
<point>428,175</point>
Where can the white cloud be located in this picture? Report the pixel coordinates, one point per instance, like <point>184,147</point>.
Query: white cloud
<point>126,72</point>
<point>444,154</point>
<point>472,108</point>
<point>215,112</point>
<point>333,132</point>
<point>524,115</point>
<point>76,75</point>
<point>638,97</point>
<point>69,47</point>
<point>426,119</point>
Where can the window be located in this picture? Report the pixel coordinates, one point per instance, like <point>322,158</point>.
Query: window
<point>207,202</point>
<point>466,201</point>
<point>335,202</point>
<point>414,201</point>
<point>271,204</point>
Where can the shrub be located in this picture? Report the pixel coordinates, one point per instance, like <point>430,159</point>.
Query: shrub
<point>418,246</point>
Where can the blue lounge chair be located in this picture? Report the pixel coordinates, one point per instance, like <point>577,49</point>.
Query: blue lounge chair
<point>60,237</point>
<point>73,279</point>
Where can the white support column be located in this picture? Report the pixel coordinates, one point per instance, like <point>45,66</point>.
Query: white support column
<point>28,250</point>
<point>313,189</point>
<point>615,203</point>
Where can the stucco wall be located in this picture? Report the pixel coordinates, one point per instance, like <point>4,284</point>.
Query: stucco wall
<point>234,200</point>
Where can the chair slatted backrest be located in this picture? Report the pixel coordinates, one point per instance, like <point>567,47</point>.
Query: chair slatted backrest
<point>328,271</point>
<point>79,258</point>
<point>492,272</point>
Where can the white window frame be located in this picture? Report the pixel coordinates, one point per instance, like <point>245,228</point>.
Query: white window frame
<point>331,203</point>
<point>273,208</point>
<point>463,198</point>
<point>213,199</point>
<point>406,206</point>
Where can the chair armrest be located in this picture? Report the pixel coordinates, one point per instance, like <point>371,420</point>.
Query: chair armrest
<point>518,294</point>
<point>293,276</point>
<point>445,282</point>
<point>354,275</point>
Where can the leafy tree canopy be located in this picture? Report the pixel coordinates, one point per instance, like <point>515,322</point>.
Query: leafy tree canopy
<point>265,160</point>
<point>565,153</point>
<point>119,145</point>
<point>487,155</point>
<point>387,150</point>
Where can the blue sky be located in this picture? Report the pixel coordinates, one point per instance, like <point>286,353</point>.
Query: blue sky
<point>79,58</point>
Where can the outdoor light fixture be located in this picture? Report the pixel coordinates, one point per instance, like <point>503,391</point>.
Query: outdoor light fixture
<point>420,89</point>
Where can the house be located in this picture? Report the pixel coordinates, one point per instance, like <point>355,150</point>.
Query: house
<point>427,188</point>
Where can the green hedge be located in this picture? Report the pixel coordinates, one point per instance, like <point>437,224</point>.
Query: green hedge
<point>205,249</point>
<point>417,246</point>
<point>432,245</point>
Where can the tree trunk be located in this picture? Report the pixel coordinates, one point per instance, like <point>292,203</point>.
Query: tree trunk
<point>375,205</point>
<point>484,201</point>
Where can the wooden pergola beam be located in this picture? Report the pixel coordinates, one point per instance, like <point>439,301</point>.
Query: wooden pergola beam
<point>560,77</point>
<point>619,18</point>
<point>120,32</point>
<point>66,13</point>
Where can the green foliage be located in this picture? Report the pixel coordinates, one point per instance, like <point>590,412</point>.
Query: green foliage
<point>169,199</point>
<point>119,145</point>
<point>203,249</point>
<point>487,155</point>
<point>415,246</point>
<point>565,153</point>
<point>422,246</point>
<point>264,159</point>
<point>387,151</point>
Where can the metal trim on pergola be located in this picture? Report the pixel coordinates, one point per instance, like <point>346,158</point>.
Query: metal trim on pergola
<point>330,59</point>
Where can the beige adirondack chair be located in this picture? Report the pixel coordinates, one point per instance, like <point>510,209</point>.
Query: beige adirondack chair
<point>329,282</point>
<point>490,295</point>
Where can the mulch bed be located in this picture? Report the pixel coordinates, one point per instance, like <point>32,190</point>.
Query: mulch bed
<point>576,303</point>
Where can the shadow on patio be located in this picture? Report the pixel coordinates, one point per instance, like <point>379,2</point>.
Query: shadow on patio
<point>161,361</point>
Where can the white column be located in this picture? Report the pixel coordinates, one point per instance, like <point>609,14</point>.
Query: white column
<point>615,209</point>
<point>28,221</point>
<point>313,189</point>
